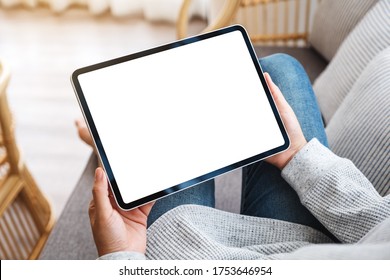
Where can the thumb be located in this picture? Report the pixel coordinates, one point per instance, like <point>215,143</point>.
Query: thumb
<point>275,91</point>
<point>100,193</point>
<point>285,110</point>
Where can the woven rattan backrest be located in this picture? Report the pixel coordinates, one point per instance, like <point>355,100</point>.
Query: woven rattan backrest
<point>281,22</point>
<point>275,21</point>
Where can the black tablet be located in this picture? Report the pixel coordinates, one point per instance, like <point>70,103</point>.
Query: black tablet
<point>171,117</point>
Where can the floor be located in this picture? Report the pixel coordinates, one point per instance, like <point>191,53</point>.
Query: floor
<point>42,50</point>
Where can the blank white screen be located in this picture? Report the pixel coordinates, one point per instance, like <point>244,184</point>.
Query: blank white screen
<point>173,116</point>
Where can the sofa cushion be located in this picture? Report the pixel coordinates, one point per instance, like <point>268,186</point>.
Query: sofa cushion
<point>71,237</point>
<point>360,129</point>
<point>333,21</point>
<point>370,37</point>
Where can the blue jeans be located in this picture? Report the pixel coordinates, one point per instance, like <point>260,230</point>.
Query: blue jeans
<point>264,192</point>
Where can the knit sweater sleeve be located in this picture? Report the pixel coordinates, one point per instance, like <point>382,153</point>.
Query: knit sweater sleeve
<point>336,192</point>
<point>123,255</point>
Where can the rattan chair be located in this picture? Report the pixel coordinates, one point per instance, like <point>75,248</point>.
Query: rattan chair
<point>275,22</point>
<point>26,217</point>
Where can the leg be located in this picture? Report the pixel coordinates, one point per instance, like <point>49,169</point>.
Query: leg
<point>202,194</point>
<point>265,193</point>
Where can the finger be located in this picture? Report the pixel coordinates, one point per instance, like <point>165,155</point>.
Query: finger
<point>91,211</point>
<point>113,201</point>
<point>275,91</point>
<point>83,132</point>
<point>91,207</point>
<point>78,122</point>
<point>100,193</point>
<point>147,207</point>
<point>279,99</point>
<point>144,209</point>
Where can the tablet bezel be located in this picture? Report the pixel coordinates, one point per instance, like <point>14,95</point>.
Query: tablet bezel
<point>194,181</point>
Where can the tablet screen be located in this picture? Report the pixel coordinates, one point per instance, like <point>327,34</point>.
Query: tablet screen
<point>179,114</point>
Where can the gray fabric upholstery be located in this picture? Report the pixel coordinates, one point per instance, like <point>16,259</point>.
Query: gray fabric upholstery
<point>71,238</point>
<point>333,21</point>
<point>370,37</point>
<point>360,129</point>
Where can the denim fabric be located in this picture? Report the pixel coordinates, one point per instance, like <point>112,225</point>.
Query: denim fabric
<point>202,194</point>
<point>265,193</point>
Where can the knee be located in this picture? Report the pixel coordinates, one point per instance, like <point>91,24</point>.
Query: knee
<point>280,60</point>
<point>284,69</point>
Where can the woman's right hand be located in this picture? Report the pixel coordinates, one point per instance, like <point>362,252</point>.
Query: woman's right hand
<point>291,123</point>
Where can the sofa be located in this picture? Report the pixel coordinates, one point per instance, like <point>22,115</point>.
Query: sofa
<point>348,62</point>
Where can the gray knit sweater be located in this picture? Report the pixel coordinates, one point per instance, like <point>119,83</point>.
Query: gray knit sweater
<point>332,188</point>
